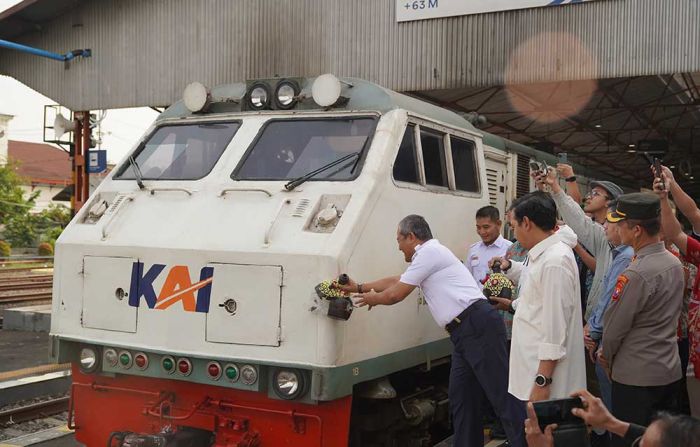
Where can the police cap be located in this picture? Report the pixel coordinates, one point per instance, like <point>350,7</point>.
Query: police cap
<point>637,206</point>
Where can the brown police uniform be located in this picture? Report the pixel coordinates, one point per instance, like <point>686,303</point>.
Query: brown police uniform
<point>640,324</point>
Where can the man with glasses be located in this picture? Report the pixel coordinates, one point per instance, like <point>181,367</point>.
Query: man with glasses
<point>479,364</point>
<point>590,233</point>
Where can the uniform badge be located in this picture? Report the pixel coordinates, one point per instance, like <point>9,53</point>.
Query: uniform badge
<point>622,281</point>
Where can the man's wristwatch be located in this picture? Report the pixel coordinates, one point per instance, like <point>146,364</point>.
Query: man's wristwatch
<point>359,288</point>
<point>570,179</point>
<point>542,381</point>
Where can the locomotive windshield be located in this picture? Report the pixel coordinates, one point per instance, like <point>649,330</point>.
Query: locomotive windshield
<point>289,149</point>
<point>180,152</point>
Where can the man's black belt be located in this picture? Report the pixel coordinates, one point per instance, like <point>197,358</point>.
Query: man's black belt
<point>452,325</point>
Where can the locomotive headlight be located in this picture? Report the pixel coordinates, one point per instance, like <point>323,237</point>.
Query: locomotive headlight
<point>88,360</point>
<point>196,97</point>
<point>259,96</point>
<point>288,383</point>
<point>286,94</point>
<point>326,90</point>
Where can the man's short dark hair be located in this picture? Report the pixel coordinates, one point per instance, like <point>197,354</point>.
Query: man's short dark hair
<point>678,431</point>
<point>417,225</point>
<point>490,212</point>
<point>537,206</point>
<point>651,226</point>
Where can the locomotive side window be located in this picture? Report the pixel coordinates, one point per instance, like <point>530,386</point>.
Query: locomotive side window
<point>181,152</point>
<point>406,165</point>
<point>287,149</point>
<point>464,161</point>
<point>432,145</point>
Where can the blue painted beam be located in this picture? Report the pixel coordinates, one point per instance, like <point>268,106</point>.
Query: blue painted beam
<point>43,53</point>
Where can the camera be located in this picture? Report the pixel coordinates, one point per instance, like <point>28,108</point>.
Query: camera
<point>571,430</point>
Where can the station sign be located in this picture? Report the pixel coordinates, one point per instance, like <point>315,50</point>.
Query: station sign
<point>408,10</point>
<point>97,161</point>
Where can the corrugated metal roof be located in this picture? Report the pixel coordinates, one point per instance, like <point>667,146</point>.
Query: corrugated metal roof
<point>145,52</point>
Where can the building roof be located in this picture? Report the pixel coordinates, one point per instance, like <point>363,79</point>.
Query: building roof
<point>40,163</point>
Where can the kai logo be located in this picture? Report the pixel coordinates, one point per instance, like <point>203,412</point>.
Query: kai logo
<point>177,288</point>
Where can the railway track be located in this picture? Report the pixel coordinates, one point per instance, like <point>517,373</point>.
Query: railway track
<point>19,286</point>
<point>20,298</point>
<point>34,411</point>
<point>32,400</point>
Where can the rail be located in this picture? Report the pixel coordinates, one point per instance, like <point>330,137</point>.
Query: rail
<point>34,411</point>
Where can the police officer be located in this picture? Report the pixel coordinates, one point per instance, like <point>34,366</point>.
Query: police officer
<point>639,332</point>
<point>479,360</point>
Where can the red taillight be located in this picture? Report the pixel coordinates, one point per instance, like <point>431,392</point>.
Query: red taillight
<point>214,370</point>
<point>141,361</point>
<point>184,366</point>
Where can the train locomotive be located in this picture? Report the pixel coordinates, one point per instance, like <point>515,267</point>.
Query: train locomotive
<point>185,290</point>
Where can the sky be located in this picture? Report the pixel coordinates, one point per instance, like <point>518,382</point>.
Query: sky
<point>121,128</point>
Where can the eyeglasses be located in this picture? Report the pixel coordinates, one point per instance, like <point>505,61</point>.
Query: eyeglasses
<point>593,194</point>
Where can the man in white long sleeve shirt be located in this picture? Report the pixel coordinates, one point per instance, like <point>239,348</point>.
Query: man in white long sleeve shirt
<point>547,353</point>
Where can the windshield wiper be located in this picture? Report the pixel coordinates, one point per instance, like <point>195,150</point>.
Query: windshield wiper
<point>299,180</point>
<point>137,172</point>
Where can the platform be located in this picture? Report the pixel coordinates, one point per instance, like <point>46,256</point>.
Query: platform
<point>29,318</point>
<point>19,349</point>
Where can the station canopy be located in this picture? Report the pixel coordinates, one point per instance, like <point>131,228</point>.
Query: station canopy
<point>602,80</point>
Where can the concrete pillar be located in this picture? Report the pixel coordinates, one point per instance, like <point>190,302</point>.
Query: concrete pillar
<point>4,133</point>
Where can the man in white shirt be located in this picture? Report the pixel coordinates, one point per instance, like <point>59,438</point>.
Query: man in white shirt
<point>479,361</point>
<point>547,353</point>
<point>492,244</point>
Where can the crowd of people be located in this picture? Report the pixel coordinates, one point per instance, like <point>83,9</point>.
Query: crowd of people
<point>605,306</point>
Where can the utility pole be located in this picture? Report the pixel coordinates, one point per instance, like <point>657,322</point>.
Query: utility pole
<point>81,177</point>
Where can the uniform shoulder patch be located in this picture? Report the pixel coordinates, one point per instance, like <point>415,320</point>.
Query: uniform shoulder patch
<point>622,281</point>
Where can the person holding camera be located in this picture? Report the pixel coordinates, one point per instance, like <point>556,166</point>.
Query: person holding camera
<point>690,249</point>
<point>665,431</point>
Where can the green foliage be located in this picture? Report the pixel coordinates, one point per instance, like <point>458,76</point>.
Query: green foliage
<point>51,235</point>
<point>22,228</point>
<point>5,249</point>
<point>45,249</point>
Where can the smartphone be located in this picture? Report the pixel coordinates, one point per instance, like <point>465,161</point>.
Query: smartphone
<point>535,166</point>
<point>563,158</point>
<point>557,411</point>
<point>657,171</point>
<point>545,167</point>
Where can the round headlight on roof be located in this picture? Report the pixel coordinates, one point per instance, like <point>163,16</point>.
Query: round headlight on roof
<point>89,360</point>
<point>196,97</point>
<point>286,94</point>
<point>259,96</point>
<point>288,383</point>
<point>326,90</point>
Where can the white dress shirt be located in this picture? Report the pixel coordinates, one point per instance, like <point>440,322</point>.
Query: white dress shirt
<point>547,324</point>
<point>480,254</point>
<point>448,286</point>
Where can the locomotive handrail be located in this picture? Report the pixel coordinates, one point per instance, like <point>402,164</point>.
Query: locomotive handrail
<point>111,217</point>
<point>187,191</point>
<point>227,190</point>
<point>266,241</point>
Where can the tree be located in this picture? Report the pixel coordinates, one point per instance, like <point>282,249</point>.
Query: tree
<point>12,200</point>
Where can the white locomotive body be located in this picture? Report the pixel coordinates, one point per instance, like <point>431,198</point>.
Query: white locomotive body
<point>193,262</point>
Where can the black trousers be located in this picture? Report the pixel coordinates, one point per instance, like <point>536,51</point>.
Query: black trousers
<point>480,368</point>
<point>639,404</point>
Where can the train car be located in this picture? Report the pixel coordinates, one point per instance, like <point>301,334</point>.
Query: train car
<point>185,291</point>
